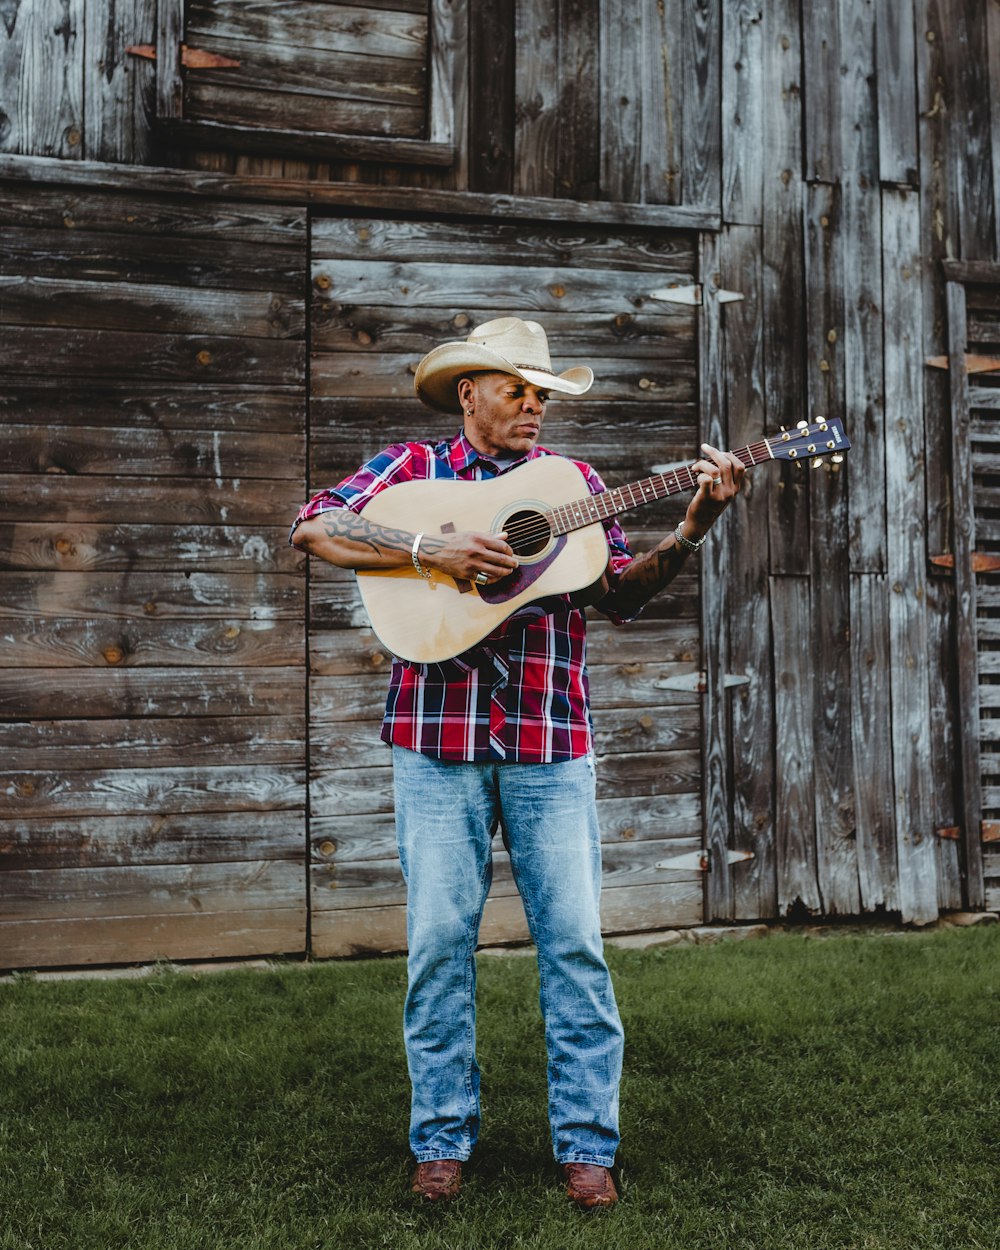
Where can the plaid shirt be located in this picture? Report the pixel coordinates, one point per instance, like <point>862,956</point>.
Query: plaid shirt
<point>521,695</point>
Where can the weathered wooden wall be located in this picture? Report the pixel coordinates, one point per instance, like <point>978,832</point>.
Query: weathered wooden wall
<point>152,659</point>
<point>832,160</point>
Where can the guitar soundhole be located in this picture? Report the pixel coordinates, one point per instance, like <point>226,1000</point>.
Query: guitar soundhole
<point>528,533</point>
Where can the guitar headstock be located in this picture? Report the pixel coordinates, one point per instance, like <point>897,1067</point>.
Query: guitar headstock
<point>811,441</point>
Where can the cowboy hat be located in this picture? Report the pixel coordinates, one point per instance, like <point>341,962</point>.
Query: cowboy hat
<point>506,345</point>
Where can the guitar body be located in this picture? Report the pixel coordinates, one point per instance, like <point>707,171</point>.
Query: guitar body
<point>428,620</point>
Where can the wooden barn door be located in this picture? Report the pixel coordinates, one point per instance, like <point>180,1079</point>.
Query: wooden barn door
<point>152,666</point>
<point>384,293</point>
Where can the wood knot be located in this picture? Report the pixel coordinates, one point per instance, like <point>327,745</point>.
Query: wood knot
<point>113,655</point>
<point>323,281</point>
<point>557,291</point>
<point>204,358</point>
<point>327,848</point>
<point>64,546</point>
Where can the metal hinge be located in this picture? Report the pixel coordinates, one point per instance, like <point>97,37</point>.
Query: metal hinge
<point>691,294</point>
<point>701,861</point>
<point>697,683</point>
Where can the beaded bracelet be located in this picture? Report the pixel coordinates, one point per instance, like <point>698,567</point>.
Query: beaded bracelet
<point>416,561</point>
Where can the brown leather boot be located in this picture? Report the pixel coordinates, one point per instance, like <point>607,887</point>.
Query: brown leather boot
<point>438,1180</point>
<point>590,1186</point>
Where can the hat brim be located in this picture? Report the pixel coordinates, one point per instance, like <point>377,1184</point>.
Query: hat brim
<point>436,379</point>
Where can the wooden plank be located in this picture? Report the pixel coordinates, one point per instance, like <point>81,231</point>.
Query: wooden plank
<point>935,28</point>
<point>968,121</point>
<point>743,89</point>
<point>353,789</point>
<point>118,88</point>
<point>836,846</point>
<point>306,144</point>
<point>590,247</point>
<point>77,449</point>
<point>51,208</point>
<point>355,29</point>
<point>350,375</point>
<point>46,642</point>
<point>144,838</point>
<point>249,409</point>
<point>169,79</point>
<point>41,73</point>
<point>555,289</point>
<point>673,818</point>
<point>631,909</point>
<point>153,890</point>
<point>784,300</point>
<point>140,939</point>
<point>577,155</point>
<point>620,75</point>
<point>871,710</point>
<point>240,108</point>
<point>165,595</point>
<point>700,76</point>
<point>821,54</point>
<point>640,642</point>
<point>942,783</point>
<point>896,87</point>
<point>993,58</point>
<point>377,329</point>
<point>67,745</point>
<point>717,765</point>
<point>190,263</point>
<point>102,354</point>
<point>120,791</point>
<point>333,196</point>
<point>120,693</point>
<point>95,498</point>
<point>965,599</point>
<point>35,301</point>
<point>794,703</point>
<point>492,101</point>
<point>79,547</point>
<point>862,328</point>
<point>747,597</point>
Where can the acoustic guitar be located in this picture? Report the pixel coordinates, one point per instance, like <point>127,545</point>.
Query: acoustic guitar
<point>552,523</point>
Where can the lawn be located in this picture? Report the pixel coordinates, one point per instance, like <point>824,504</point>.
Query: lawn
<point>788,1093</point>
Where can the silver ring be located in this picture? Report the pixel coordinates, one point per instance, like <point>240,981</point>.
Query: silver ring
<point>481,578</point>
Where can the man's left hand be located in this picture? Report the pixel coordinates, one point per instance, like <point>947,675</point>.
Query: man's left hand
<point>720,476</point>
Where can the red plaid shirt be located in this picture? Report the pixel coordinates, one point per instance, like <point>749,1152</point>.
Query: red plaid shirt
<point>521,695</point>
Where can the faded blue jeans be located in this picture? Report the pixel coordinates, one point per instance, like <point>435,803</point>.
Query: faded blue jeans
<point>446,814</point>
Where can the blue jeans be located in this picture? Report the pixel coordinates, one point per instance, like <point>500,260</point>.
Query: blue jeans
<point>446,814</point>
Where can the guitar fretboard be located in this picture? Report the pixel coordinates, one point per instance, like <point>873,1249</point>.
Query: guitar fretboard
<point>573,516</point>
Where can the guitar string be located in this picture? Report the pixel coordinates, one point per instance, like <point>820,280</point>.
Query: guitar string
<point>538,527</point>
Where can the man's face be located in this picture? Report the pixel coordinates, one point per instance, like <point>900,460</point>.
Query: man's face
<point>506,413</point>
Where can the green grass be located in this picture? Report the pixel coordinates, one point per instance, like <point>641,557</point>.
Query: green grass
<point>790,1093</point>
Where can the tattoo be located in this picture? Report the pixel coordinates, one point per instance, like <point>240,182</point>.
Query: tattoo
<point>648,574</point>
<point>343,523</point>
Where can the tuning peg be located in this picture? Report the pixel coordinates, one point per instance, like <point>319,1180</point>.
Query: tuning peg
<point>816,462</point>
<point>802,425</point>
<point>837,459</point>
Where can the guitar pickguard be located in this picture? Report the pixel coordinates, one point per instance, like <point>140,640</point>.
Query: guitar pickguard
<point>524,575</point>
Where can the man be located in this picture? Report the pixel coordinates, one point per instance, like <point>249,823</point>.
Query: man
<point>501,736</point>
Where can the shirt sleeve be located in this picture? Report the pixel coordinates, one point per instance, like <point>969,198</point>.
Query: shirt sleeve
<point>619,550</point>
<point>395,464</point>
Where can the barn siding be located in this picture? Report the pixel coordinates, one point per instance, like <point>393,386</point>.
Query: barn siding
<point>152,668</point>
<point>842,158</point>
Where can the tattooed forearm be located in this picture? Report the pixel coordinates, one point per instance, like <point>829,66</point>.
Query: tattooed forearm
<point>647,575</point>
<point>380,540</point>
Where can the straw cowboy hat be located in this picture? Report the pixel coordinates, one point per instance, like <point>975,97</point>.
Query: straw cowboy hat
<point>506,345</point>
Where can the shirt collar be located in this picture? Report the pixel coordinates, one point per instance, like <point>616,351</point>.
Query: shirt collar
<point>463,455</point>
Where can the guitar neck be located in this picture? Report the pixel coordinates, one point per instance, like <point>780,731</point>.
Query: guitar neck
<point>573,516</point>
